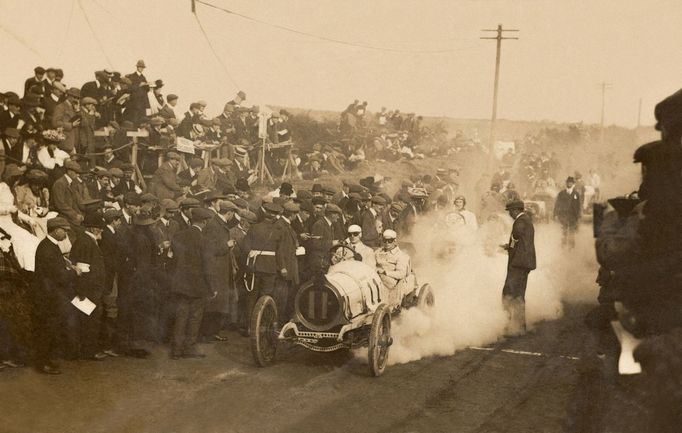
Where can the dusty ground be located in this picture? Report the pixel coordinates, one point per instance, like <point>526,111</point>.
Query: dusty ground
<point>472,391</point>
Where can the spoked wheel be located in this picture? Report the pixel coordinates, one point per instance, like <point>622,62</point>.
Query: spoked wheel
<point>426,299</point>
<point>263,332</point>
<point>379,340</point>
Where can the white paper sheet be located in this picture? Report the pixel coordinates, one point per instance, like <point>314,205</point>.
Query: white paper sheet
<point>86,305</point>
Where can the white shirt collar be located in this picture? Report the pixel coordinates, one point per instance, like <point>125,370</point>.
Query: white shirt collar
<point>53,240</point>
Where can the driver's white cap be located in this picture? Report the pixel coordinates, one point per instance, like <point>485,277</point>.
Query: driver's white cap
<point>390,234</point>
<point>354,229</point>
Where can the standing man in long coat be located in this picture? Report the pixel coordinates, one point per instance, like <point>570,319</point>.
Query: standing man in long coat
<point>90,285</point>
<point>54,278</point>
<point>521,249</point>
<point>567,209</point>
<point>222,309</point>
<point>288,250</point>
<point>190,285</point>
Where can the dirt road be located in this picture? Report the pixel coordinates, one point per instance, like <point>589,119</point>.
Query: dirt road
<point>528,384</point>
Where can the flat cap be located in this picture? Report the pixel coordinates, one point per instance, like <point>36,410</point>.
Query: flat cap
<point>56,223</point>
<point>171,97</point>
<point>290,206</point>
<point>240,203</point>
<point>88,100</point>
<point>201,214</point>
<point>273,208</point>
<point>318,200</point>
<point>74,91</point>
<point>111,215</point>
<point>332,208</point>
<point>93,219</point>
<point>148,197</point>
<point>173,155</point>
<point>72,165</point>
<point>132,198</point>
<point>248,215</point>
<point>226,205</point>
<point>169,205</point>
<point>189,203</point>
<point>214,195</point>
<point>116,172</point>
<point>377,199</point>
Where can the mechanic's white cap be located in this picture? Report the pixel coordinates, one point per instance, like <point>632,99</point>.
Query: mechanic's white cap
<point>355,229</point>
<point>390,234</point>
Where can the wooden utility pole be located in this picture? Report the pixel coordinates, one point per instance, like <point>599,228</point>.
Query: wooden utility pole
<point>604,86</point>
<point>639,114</point>
<point>493,122</point>
<point>194,6</point>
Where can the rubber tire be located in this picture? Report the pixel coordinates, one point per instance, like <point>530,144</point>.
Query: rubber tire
<point>259,345</point>
<point>426,298</point>
<point>377,359</point>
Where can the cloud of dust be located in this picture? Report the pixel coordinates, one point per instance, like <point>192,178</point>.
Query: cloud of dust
<point>468,286</point>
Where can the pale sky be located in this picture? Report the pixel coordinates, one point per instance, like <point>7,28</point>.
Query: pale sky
<point>566,48</point>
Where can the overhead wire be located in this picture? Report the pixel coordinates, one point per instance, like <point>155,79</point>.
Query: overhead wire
<point>20,40</point>
<point>66,32</point>
<point>329,39</point>
<point>94,34</point>
<point>215,54</point>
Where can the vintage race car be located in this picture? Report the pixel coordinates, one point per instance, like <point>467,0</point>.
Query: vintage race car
<point>347,308</point>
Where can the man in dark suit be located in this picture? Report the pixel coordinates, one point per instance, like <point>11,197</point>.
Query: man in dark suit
<point>138,103</point>
<point>288,251</point>
<point>521,249</point>
<point>168,110</point>
<point>50,102</point>
<point>10,143</point>
<point>89,284</point>
<point>112,251</point>
<point>266,267</point>
<point>322,239</point>
<point>165,180</point>
<point>183,217</point>
<point>221,310</point>
<point>127,184</point>
<point>36,80</point>
<point>567,209</point>
<point>68,192</point>
<point>54,278</point>
<point>10,117</point>
<point>190,285</point>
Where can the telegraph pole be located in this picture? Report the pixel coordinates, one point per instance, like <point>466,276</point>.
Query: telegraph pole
<point>604,86</point>
<point>194,6</point>
<point>493,122</point>
<point>639,114</point>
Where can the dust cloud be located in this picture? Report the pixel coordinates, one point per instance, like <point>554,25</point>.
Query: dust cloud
<point>468,286</point>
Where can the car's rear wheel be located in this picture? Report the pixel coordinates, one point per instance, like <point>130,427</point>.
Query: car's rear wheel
<point>426,299</point>
<point>379,340</point>
<point>263,332</point>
